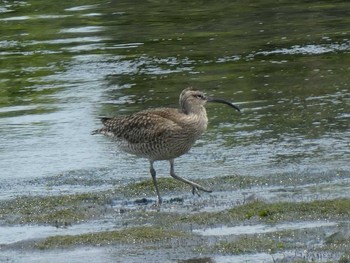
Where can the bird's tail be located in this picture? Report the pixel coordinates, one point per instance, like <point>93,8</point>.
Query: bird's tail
<point>102,130</point>
<point>98,131</point>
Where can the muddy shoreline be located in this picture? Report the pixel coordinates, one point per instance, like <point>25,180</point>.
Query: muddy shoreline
<point>278,219</point>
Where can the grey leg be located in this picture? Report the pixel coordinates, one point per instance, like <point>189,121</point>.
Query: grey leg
<point>153,173</point>
<point>195,187</point>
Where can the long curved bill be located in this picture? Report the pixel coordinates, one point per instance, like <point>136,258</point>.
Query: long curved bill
<point>211,99</point>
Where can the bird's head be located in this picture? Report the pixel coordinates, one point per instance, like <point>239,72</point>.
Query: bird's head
<point>193,100</point>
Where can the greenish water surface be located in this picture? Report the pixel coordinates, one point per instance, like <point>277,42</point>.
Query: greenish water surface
<point>285,64</point>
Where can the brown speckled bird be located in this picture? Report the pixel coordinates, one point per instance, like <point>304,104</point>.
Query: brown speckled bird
<point>163,133</point>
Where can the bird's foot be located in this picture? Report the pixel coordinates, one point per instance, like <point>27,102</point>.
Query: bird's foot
<point>157,205</point>
<point>196,188</point>
<point>159,201</point>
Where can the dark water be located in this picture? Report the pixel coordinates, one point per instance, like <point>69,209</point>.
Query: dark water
<point>286,64</point>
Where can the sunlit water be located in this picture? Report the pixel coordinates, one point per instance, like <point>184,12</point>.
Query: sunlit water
<point>259,229</point>
<point>63,68</point>
<point>64,65</point>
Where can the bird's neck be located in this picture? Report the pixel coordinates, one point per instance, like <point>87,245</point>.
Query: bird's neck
<point>198,120</point>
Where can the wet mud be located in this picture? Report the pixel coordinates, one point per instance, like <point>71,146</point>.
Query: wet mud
<point>280,218</point>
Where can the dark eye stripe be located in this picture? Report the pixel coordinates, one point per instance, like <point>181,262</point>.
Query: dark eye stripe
<point>199,96</point>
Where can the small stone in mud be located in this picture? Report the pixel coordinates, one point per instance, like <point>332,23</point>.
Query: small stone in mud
<point>176,200</point>
<point>142,201</point>
<point>197,260</point>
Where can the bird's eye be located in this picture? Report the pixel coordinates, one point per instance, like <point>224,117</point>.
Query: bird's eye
<point>200,96</point>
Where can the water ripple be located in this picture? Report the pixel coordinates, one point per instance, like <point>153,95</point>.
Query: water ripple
<point>308,49</point>
<point>311,49</point>
<point>22,18</point>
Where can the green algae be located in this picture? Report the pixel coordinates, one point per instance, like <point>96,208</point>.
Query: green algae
<point>51,209</point>
<point>146,187</point>
<point>133,235</point>
<point>249,244</point>
<point>79,207</point>
<point>146,225</point>
<point>285,211</point>
<point>274,212</point>
<point>278,241</point>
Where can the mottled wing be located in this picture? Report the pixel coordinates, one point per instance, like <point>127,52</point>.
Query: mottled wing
<point>142,127</point>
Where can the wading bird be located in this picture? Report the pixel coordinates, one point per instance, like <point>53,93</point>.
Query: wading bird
<point>163,133</point>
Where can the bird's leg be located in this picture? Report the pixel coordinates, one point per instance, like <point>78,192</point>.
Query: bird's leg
<point>195,187</point>
<point>153,173</point>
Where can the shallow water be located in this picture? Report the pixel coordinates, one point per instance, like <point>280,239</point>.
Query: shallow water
<point>64,65</point>
<point>259,229</point>
<point>13,234</point>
